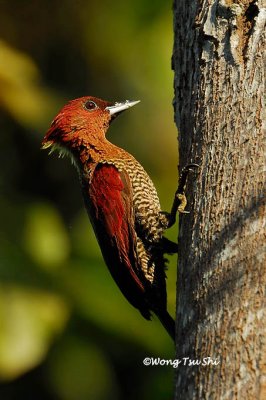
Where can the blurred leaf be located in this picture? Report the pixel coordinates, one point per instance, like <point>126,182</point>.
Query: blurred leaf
<point>29,321</point>
<point>83,237</point>
<point>159,385</point>
<point>21,93</point>
<point>99,300</point>
<point>45,237</point>
<point>79,371</point>
<point>114,50</point>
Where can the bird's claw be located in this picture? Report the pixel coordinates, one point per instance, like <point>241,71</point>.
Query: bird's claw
<point>180,195</point>
<point>183,202</point>
<point>180,200</point>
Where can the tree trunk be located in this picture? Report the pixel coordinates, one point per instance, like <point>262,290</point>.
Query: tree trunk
<point>219,86</point>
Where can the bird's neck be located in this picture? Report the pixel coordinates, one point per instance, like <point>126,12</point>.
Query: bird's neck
<point>87,155</point>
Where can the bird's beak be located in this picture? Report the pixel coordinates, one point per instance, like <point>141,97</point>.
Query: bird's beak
<point>117,108</point>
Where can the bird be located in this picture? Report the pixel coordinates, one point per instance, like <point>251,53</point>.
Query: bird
<point>121,201</point>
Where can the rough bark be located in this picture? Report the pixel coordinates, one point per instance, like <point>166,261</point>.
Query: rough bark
<point>219,88</point>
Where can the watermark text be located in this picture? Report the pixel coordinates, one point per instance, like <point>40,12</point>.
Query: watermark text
<point>175,363</point>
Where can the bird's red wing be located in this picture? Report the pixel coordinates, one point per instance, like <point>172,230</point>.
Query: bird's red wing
<point>111,212</point>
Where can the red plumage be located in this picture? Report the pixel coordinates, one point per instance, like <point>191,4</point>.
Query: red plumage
<point>111,212</point>
<point>109,202</point>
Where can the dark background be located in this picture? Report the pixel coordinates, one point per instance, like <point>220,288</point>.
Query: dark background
<point>66,332</point>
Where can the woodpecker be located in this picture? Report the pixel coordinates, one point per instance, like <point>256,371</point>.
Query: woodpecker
<point>121,201</point>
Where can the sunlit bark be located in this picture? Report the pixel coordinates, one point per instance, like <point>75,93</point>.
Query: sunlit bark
<point>219,88</point>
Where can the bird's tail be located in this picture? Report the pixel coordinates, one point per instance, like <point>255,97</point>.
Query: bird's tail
<point>167,322</point>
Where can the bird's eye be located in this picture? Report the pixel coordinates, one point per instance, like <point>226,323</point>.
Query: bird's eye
<point>90,105</point>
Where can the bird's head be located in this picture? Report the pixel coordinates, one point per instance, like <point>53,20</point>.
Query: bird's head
<point>82,122</point>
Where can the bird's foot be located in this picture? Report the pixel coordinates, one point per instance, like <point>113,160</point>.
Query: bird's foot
<point>183,202</point>
<point>180,193</point>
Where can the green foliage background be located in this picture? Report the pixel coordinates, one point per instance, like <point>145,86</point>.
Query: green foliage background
<point>66,332</point>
